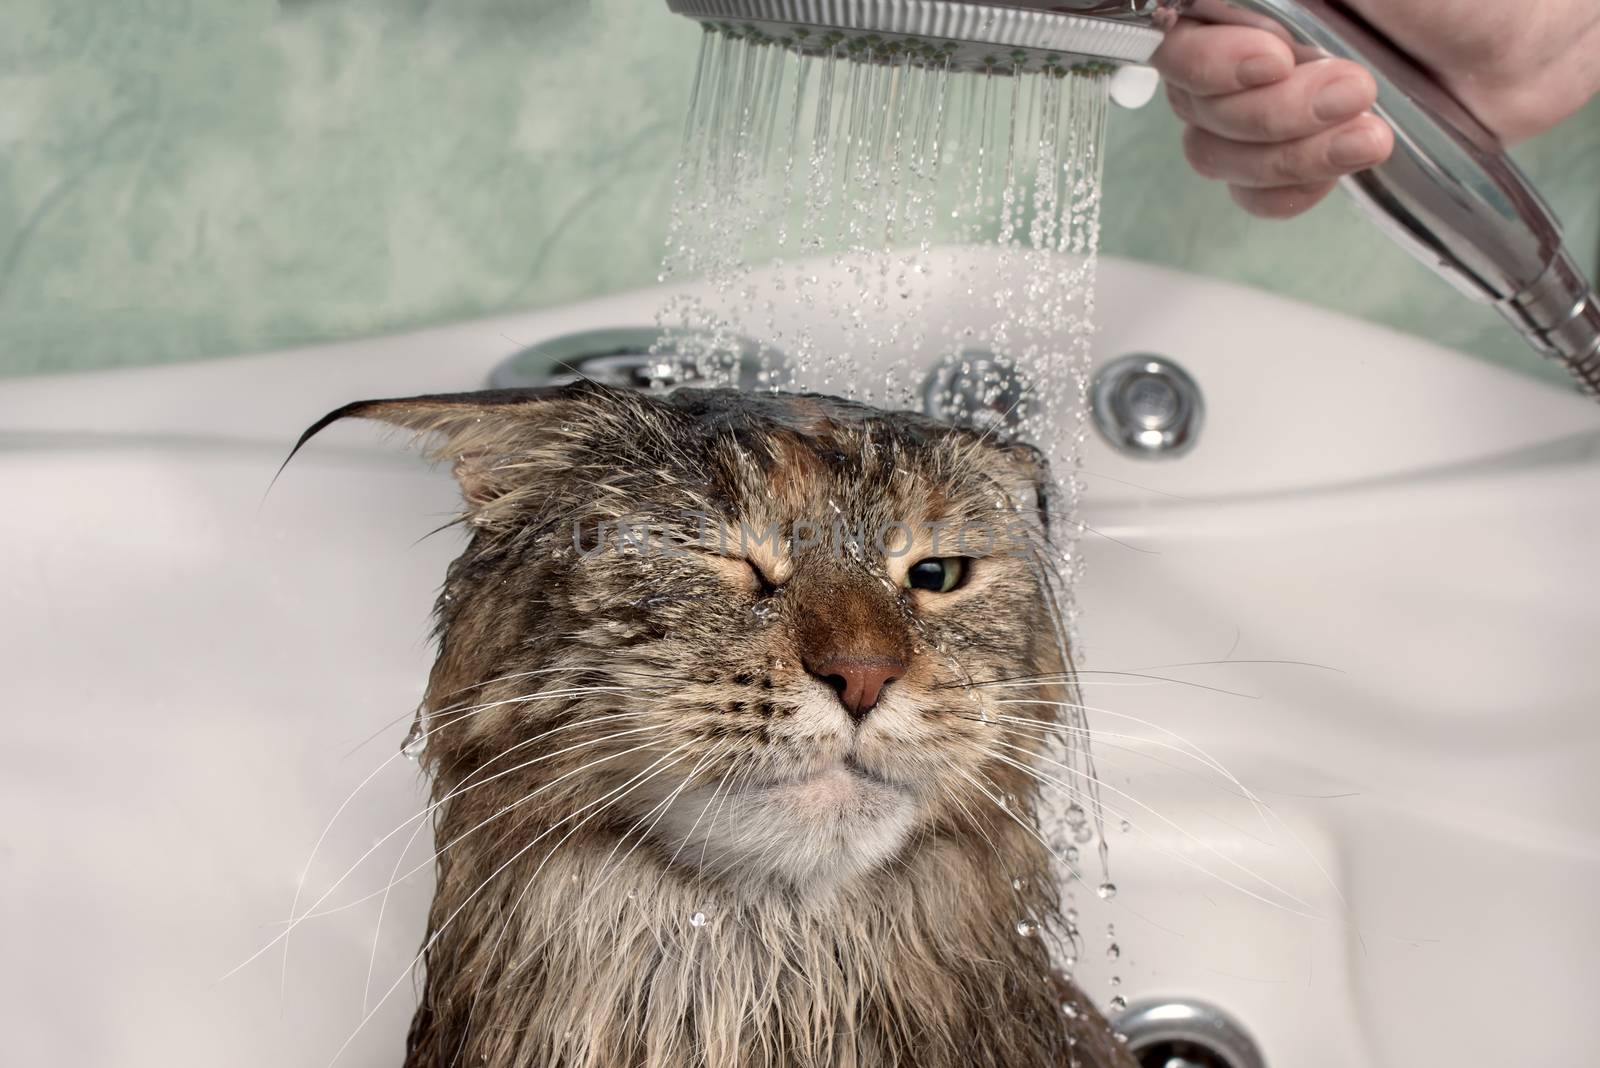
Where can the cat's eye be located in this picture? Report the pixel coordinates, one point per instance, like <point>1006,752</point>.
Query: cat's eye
<point>937,574</point>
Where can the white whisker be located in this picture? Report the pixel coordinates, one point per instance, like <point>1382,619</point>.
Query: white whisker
<point>433,938</point>
<point>295,921</point>
<point>1306,909</point>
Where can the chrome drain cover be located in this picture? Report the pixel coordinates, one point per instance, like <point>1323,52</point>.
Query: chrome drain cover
<point>1185,1033</point>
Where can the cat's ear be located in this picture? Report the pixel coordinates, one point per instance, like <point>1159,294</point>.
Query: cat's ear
<point>1027,480</point>
<point>495,440</point>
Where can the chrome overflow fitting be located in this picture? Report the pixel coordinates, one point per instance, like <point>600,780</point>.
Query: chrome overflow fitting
<point>1147,406</point>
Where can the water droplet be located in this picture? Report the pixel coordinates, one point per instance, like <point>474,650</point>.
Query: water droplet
<point>1027,927</point>
<point>1069,1010</point>
<point>1107,891</point>
<point>698,920</point>
<point>1119,1003</point>
<point>1113,952</point>
<point>416,739</point>
<point>1126,826</point>
<point>1018,883</point>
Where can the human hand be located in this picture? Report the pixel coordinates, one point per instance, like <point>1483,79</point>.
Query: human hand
<point>1281,134</point>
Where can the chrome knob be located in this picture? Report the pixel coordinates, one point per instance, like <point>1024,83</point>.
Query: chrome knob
<point>979,390</point>
<point>639,358</point>
<point>1147,406</point>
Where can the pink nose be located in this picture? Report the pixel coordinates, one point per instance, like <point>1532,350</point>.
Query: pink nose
<point>859,681</point>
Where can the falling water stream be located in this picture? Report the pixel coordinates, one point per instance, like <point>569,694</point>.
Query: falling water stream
<point>875,162</point>
<point>818,197</point>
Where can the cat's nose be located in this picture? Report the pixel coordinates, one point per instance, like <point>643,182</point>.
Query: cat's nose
<point>858,680</point>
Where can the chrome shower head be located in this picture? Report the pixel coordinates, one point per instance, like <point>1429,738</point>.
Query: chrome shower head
<point>1004,38</point>
<point>1449,194</point>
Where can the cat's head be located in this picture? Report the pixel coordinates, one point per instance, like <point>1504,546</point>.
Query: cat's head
<point>739,631</point>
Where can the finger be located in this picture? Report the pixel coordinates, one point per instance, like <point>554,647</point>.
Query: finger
<point>1212,60</point>
<point>1358,144</point>
<point>1317,96</point>
<point>1284,202</point>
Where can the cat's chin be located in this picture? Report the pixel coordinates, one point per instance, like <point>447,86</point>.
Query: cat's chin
<point>811,833</point>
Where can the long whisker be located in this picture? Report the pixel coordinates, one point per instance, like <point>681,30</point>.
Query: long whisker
<point>334,819</point>
<point>1048,729</point>
<point>1306,909</point>
<point>1056,590</point>
<point>971,817</point>
<point>511,912</point>
<point>1200,754</point>
<point>316,848</point>
<point>1270,819</point>
<point>394,877</point>
<point>696,824</point>
<point>1077,677</point>
<point>1104,740</point>
<point>434,938</point>
<point>503,810</point>
<point>295,921</point>
<point>1186,749</point>
<point>738,779</point>
<point>479,687</point>
<point>1064,864</point>
<point>1138,804</point>
<point>383,906</point>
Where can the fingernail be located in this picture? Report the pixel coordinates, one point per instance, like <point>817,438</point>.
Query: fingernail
<point>1263,70</point>
<point>1340,100</point>
<point>1354,148</point>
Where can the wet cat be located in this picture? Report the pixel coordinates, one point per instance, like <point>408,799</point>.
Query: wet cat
<point>724,778</point>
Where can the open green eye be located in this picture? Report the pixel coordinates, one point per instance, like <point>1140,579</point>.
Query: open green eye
<point>937,574</point>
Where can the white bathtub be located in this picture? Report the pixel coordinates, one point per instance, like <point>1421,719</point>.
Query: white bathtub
<point>195,678</point>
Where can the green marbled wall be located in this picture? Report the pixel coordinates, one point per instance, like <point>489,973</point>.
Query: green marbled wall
<point>192,178</point>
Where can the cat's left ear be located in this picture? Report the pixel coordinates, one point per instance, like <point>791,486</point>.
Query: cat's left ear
<point>496,440</point>
<point>1027,481</point>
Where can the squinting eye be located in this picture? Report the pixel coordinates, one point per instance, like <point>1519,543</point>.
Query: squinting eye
<point>766,586</point>
<point>937,574</point>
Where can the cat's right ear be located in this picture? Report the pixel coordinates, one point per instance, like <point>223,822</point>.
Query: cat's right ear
<point>496,440</point>
<point>1028,482</point>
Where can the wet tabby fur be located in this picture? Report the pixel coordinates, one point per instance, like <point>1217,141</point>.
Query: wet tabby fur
<point>621,740</point>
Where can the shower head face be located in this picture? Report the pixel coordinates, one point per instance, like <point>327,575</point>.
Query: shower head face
<point>1001,37</point>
